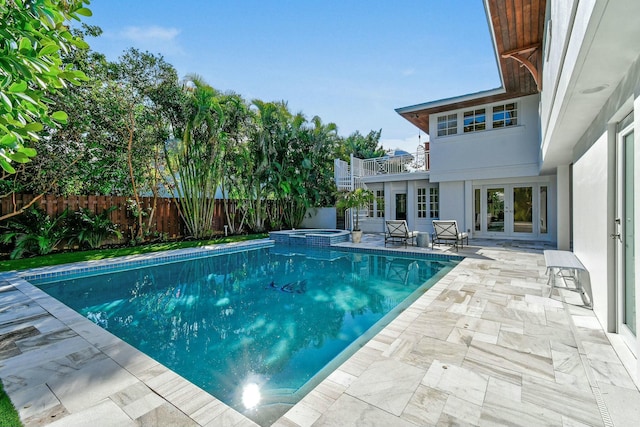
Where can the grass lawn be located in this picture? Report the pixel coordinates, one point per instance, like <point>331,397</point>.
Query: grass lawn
<point>67,257</point>
<point>8,414</point>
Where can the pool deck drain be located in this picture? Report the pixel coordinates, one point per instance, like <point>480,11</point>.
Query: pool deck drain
<point>481,347</point>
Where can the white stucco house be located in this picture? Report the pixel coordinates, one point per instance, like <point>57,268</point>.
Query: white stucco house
<point>549,156</point>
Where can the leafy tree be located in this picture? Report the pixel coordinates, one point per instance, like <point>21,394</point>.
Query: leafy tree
<point>234,152</point>
<point>141,78</point>
<point>268,138</point>
<point>194,160</point>
<point>33,35</point>
<point>321,154</point>
<point>361,146</point>
<point>304,172</point>
<point>70,159</point>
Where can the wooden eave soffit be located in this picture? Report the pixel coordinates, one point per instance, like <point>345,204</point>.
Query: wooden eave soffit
<point>523,56</point>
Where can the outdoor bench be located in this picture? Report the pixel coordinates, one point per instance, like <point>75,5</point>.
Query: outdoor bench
<point>565,264</point>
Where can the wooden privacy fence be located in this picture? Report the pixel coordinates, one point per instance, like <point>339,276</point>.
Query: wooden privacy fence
<point>166,219</point>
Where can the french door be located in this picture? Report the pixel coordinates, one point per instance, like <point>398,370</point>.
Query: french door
<point>401,206</point>
<point>624,235</point>
<point>510,210</point>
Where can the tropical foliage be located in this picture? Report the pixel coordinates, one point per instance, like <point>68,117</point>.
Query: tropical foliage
<point>134,129</point>
<point>33,36</point>
<point>356,199</point>
<point>37,233</point>
<point>361,146</point>
<point>90,230</point>
<point>194,160</point>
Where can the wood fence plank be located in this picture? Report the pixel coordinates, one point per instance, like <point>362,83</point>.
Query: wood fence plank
<point>166,220</point>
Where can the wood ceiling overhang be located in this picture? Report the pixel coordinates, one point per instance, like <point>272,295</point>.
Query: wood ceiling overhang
<point>518,30</point>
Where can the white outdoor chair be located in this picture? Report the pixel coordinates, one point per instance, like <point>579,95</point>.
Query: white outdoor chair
<point>446,231</point>
<point>397,230</point>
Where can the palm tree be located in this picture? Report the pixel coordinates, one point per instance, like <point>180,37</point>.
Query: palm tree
<point>357,199</point>
<point>195,161</point>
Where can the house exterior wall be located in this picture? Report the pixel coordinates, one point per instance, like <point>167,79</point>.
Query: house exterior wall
<point>594,189</point>
<point>391,189</point>
<point>493,153</point>
<point>320,218</point>
<point>576,26</point>
<point>555,53</point>
<point>567,137</point>
<point>452,202</point>
<point>590,191</point>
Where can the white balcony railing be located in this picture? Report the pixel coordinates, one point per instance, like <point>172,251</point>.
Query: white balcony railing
<point>349,176</point>
<point>394,164</point>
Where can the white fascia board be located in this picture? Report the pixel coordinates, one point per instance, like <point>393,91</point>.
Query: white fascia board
<point>413,176</point>
<point>493,41</point>
<point>448,101</point>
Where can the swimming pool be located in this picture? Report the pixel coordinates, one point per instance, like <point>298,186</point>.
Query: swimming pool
<point>274,320</point>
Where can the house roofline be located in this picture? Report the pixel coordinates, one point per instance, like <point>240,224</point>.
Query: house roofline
<point>450,101</point>
<point>470,96</point>
<point>515,80</point>
<point>487,15</point>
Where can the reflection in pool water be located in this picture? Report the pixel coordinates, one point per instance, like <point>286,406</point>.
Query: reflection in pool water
<point>253,328</point>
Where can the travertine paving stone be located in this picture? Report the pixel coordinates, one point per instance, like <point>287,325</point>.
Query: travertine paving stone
<point>483,347</point>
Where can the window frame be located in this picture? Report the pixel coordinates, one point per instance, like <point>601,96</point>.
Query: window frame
<point>421,202</point>
<point>434,202</point>
<point>376,206</point>
<point>450,122</point>
<point>501,123</point>
<point>379,201</point>
<point>478,117</point>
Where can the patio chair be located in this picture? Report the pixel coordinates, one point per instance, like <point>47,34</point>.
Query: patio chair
<point>446,231</point>
<point>397,230</point>
<point>401,270</point>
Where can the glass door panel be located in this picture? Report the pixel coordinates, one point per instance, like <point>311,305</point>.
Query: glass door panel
<point>477,210</point>
<point>495,210</point>
<point>522,210</point>
<point>543,210</point>
<point>514,210</point>
<point>629,289</point>
<point>401,206</point>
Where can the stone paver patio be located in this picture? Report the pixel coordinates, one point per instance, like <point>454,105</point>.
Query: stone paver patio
<point>484,346</point>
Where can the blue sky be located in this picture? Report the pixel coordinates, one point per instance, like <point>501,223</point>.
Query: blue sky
<point>349,62</point>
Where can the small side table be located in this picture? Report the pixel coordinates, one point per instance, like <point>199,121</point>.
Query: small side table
<point>422,240</point>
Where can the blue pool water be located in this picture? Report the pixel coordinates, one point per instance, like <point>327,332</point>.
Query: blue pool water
<point>279,318</point>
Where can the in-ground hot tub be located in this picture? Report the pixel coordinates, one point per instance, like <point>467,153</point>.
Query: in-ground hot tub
<point>310,237</point>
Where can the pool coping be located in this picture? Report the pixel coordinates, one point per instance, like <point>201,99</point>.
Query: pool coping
<point>196,403</point>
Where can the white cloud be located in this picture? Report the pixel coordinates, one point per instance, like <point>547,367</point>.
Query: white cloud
<point>154,32</point>
<point>408,72</point>
<point>154,38</point>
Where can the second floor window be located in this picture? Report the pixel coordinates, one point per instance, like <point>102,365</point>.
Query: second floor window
<point>474,120</point>
<point>422,202</point>
<point>448,125</point>
<point>505,115</point>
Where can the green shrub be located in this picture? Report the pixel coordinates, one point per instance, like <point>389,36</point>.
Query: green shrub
<point>35,233</point>
<point>90,230</point>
